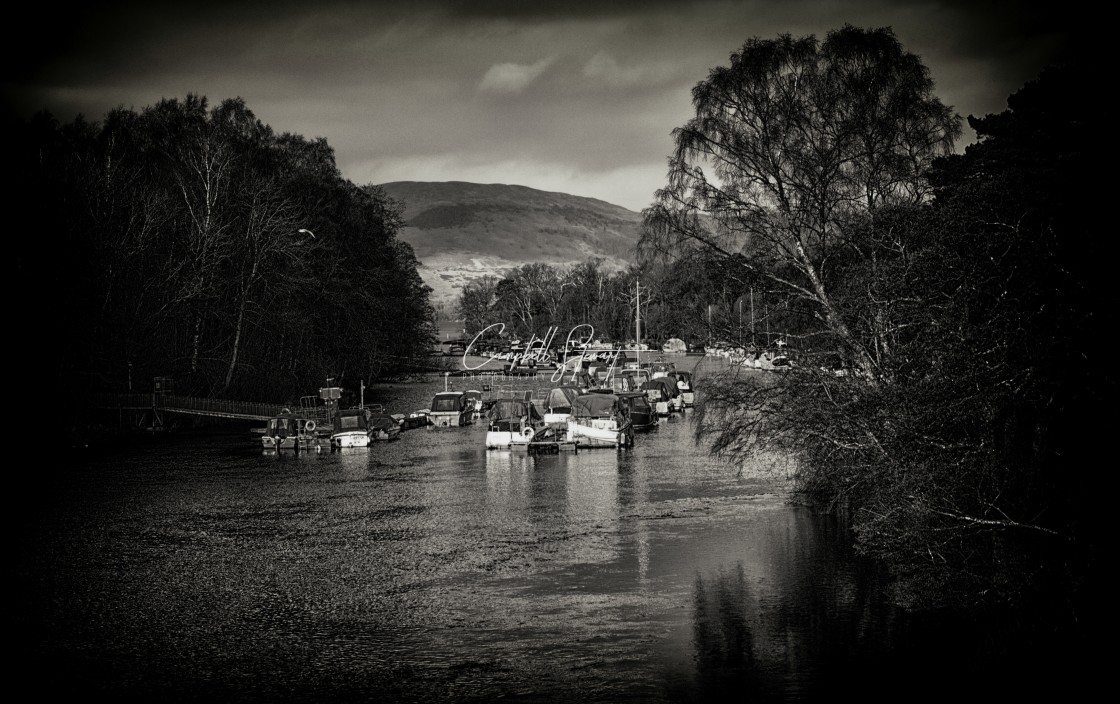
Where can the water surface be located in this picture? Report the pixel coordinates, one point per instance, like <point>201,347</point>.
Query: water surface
<point>431,569</point>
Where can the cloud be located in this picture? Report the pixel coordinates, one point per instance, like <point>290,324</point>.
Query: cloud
<point>513,78</point>
<point>603,67</point>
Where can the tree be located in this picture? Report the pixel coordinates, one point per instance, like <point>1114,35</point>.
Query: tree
<point>964,473</point>
<point>801,138</point>
<point>475,303</point>
<point>173,237</point>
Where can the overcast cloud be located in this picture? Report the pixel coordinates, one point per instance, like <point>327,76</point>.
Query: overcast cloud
<point>572,96</point>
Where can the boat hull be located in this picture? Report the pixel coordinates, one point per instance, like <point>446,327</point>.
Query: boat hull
<point>448,420</point>
<point>504,439</point>
<point>596,434</point>
<point>350,439</point>
<point>498,439</point>
<point>557,419</point>
<point>293,443</point>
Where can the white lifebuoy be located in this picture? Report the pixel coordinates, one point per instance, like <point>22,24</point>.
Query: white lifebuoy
<point>528,433</point>
<point>310,426</point>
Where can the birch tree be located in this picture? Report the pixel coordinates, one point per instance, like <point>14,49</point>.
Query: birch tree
<point>792,141</point>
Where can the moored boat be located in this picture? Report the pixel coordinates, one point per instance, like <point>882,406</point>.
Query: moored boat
<point>473,399</point>
<point>669,381</point>
<point>558,405</point>
<point>449,410</point>
<point>415,419</point>
<point>635,378</point>
<point>642,414</point>
<point>351,429</point>
<point>290,431</point>
<point>510,421</point>
<point>661,392</point>
<point>600,420</point>
<point>383,426</point>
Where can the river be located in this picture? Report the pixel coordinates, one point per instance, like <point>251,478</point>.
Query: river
<point>428,569</point>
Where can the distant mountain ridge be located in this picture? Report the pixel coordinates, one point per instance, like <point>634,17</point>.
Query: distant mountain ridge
<point>461,231</point>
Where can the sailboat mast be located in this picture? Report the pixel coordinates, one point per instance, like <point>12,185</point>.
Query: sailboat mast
<point>638,321</point>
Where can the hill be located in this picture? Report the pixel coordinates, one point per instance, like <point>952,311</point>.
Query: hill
<point>461,231</point>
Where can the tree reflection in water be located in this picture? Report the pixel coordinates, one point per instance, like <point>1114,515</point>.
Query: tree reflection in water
<point>724,647</point>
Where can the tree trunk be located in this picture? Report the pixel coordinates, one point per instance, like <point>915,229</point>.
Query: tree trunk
<point>236,343</point>
<point>835,321</point>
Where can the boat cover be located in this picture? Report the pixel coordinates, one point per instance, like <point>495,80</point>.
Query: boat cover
<point>506,409</point>
<point>667,386</point>
<point>383,421</point>
<point>560,399</point>
<point>351,420</point>
<point>595,405</point>
<point>448,401</point>
<point>637,401</point>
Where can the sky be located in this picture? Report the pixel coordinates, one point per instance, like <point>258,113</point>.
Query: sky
<point>574,96</point>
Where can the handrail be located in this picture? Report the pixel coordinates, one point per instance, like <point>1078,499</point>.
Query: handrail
<point>248,410</point>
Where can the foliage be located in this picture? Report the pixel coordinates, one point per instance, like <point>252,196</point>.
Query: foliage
<point>193,242</point>
<point>801,138</point>
<point>954,422</point>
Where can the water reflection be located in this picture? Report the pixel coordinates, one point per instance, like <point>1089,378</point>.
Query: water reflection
<point>722,641</point>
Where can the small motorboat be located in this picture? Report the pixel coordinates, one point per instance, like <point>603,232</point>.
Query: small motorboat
<point>351,429</point>
<point>383,426</point>
<point>600,420</point>
<point>449,410</point>
<point>290,431</point>
<point>512,421</point>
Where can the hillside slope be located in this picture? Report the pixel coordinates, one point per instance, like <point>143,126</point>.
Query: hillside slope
<point>461,231</point>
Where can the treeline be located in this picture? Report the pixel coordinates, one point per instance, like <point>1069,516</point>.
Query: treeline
<point>534,297</point>
<point>193,242</point>
<point>699,300</point>
<point>962,296</point>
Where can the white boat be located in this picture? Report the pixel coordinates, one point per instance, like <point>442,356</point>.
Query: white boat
<point>351,429</point>
<point>512,421</point>
<point>599,420</point>
<point>558,406</point>
<point>449,410</point>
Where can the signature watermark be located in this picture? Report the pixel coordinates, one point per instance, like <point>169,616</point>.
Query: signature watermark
<point>536,352</point>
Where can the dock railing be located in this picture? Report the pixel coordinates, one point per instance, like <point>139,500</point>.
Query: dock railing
<point>214,407</point>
